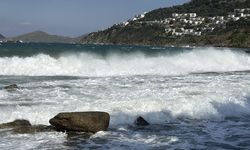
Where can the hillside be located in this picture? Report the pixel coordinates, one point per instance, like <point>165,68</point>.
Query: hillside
<point>197,23</point>
<point>203,8</point>
<point>42,37</point>
<point>1,36</point>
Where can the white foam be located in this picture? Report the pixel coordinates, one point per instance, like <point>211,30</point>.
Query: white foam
<point>157,98</point>
<point>85,64</point>
<point>33,141</point>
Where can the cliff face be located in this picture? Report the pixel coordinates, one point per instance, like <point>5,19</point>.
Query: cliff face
<point>151,28</point>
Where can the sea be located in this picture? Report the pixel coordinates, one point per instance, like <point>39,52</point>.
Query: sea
<point>193,98</point>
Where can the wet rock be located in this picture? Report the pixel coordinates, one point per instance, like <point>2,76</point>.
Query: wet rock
<point>24,127</point>
<point>11,87</point>
<point>15,124</point>
<point>33,129</point>
<point>140,121</point>
<point>81,121</point>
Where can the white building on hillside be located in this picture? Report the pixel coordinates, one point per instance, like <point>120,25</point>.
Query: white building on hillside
<point>190,15</point>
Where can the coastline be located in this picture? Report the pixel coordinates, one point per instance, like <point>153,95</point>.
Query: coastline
<point>230,39</point>
<point>186,45</point>
<point>171,45</point>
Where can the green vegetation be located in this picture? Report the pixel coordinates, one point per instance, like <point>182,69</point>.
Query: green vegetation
<point>129,34</point>
<point>201,7</point>
<point>231,34</point>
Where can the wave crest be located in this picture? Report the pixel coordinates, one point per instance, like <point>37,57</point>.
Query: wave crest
<point>86,64</point>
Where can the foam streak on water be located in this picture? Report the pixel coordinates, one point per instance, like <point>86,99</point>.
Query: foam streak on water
<point>198,99</point>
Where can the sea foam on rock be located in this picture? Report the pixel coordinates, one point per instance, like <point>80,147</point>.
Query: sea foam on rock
<point>81,121</point>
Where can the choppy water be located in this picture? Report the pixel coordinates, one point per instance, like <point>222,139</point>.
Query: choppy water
<point>193,98</point>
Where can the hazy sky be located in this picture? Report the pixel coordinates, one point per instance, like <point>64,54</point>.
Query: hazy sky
<point>70,17</point>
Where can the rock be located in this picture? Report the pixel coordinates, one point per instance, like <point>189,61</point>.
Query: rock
<point>24,127</point>
<point>11,87</point>
<point>33,129</point>
<point>16,124</point>
<point>81,121</point>
<point>141,121</point>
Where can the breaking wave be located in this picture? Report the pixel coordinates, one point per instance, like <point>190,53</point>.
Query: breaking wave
<point>89,64</point>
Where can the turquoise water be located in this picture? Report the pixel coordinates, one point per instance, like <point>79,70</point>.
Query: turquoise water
<point>194,98</point>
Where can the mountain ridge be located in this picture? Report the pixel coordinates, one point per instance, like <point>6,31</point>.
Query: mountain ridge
<point>148,29</point>
<point>41,37</point>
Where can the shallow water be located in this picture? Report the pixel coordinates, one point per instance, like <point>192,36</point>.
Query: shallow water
<point>193,99</point>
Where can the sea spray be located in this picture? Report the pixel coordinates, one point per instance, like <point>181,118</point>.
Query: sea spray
<point>158,99</point>
<point>115,64</point>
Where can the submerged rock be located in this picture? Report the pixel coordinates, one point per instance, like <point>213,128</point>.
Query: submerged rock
<point>11,87</point>
<point>141,121</point>
<point>15,124</point>
<point>81,121</point>
<point>33,129</point>
<point>82,135</point>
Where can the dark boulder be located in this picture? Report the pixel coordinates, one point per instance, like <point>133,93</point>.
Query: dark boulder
<point>81,121</point>
<point>141,121</point>
<point>15,124</point>
<point>11,87</point>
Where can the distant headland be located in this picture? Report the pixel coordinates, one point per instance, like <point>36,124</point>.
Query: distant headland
<point>41,37</point>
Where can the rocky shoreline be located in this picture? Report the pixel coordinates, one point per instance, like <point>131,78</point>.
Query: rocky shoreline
<point>72,123</point>
<point>69,122</point>
<point>88,122</point>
